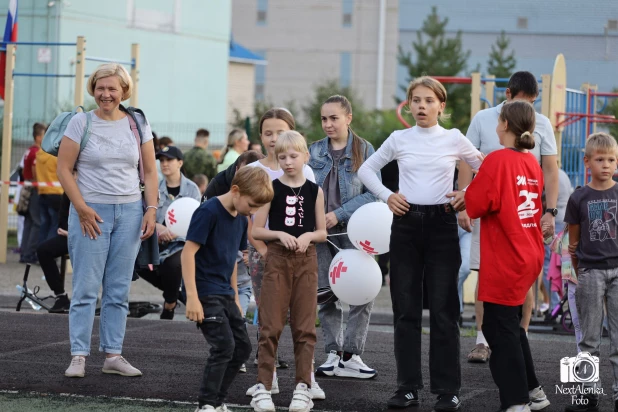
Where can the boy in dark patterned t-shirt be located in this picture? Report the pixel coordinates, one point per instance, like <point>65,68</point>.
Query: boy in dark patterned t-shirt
<point>593,244</point>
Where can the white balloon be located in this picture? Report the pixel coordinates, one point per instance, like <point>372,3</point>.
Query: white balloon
<point>369,228</point>
<point>178,215</point>
<point>354,277</point>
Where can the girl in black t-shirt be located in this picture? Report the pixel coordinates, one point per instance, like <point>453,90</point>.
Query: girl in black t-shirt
<point>296,220</point>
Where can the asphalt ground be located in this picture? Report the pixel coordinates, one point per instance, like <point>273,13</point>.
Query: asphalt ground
<point>34,352</point>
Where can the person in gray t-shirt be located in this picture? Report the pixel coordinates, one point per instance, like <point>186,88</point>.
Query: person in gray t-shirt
<point>106,220</point>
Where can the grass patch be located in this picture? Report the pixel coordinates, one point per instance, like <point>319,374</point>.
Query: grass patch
<point>468,332</point>
<point>12,240</point>
<point>463,332</point>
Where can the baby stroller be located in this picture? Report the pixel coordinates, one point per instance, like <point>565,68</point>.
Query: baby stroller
<point>562,310</point>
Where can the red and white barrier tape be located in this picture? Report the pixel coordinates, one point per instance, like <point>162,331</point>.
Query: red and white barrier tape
<point>11,183</point>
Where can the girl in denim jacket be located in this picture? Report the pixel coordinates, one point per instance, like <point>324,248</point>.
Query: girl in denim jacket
<point>335,161</point>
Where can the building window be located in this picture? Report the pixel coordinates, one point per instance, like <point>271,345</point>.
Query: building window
<point>345,69</point>
<point>260,77</point>
<point>522,22</point>
<point>348,9</point>
<point>142,15</point>
<point>262,8</point>
<point>612,25</point>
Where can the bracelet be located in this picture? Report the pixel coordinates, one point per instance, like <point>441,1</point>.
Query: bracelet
<point>152,207</point>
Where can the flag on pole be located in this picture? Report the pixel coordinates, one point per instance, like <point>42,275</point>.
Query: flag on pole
<point>10,35</point>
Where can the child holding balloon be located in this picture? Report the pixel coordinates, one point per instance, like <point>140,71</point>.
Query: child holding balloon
<point>335,161</point>
<point>424,243</point>
<point>218,230</point>
<point>174,185</point>
<point>506,195</point>
<point>295,222</point>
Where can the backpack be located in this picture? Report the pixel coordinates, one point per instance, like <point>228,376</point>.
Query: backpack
<point>55,131</point>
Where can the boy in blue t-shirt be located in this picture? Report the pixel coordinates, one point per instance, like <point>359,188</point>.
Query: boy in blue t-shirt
<point>218,230</point>
<point>593,243</point>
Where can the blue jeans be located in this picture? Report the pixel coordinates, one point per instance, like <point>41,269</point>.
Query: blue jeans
<point>331,314</point>
<point>244,295</point>
<point>465,240</point>
<point>108,260</point>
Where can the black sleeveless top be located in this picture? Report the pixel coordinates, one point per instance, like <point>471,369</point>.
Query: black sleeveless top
<point>292,210</point>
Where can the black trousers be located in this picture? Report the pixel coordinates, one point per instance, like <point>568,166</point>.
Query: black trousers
<point>230,347</point>
<point>425,249</point>
<point>167,277</point>
<point>32,229</point>
<point>47,253</point>
<point>511,362</point>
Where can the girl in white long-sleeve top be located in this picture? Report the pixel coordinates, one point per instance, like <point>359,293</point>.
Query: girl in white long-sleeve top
<point>424,243</point>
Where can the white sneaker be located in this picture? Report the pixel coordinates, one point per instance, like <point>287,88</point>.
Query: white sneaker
<point>538,400</point>
<point>120,366</point>
<point>206,408</point>
<point>274,389</point>
<point>316,392</point>
<point>518,408</point>
<point>543,308</point>
<point>262,401</point>
<point>301,400</point>
<point>354,368</point>
<point>77,369</point>
<point>328,367</point>
<point>222,408</point>
<point>243,368</point>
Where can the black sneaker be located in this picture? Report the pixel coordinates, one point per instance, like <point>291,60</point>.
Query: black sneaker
<point>62,304</point>
<point>403,399</point>
<point>447,403</point>
<point>586,404</point>
<point>280,364</point>
<point>168,314</point>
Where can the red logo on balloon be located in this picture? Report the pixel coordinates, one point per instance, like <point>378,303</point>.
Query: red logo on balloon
<point>336,272</point>
<point>366,245</point>
<point>170,215</point>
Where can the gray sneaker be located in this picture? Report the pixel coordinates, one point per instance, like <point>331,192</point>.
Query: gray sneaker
<point>120,366</point>
<point>77,369</point>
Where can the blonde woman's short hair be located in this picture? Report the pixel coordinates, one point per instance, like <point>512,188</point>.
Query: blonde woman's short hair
<point>291,140</point>
<point>602,143</point>
<point>255,183</point>
<point>111,69</point>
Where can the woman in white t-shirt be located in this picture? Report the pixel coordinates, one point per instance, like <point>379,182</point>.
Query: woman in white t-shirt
<point>272,123</point>
<point>107,221</point>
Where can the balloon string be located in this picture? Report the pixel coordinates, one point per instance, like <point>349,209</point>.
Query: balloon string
<point>333,245</point>
<point>338,234</point>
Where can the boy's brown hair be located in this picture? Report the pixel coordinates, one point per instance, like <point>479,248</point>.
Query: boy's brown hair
<point>600,142</point>
<point>255,183</point>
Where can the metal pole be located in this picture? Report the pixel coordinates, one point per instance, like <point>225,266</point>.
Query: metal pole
<point>381,40</point>
<point>7,136</point>
<point>135,74</point>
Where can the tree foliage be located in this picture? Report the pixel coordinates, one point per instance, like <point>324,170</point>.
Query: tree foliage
<point>501,62</point>
<point>436,54</point>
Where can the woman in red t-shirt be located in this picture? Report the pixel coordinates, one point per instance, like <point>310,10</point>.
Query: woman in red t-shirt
<point>506,195</point>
